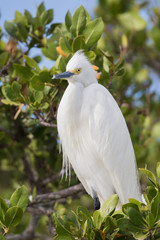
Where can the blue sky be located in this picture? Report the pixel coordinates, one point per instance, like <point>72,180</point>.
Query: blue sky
<point>8,7</point>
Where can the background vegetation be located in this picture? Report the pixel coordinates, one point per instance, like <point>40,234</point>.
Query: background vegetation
<point>126,48</point>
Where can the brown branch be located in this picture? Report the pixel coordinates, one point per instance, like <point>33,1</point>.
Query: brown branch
<point>31,174</point>
<point>54,196</point>
<point>43,122</point>
<point>47,124</point>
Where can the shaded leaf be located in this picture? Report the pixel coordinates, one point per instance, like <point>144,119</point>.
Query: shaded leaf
<point>78,43</point>
<point>23,72</point>
<point>10,28</point>
<point>3,209</point>
<point>50,51</point>
<point>32,63</point>
<point>127,226</point>
<point>148,173</point>
<point>68,20</point>
<point>47,16</point>
<point>158,170</point>
<point>37,83</point>
<point>136,217</point>
<point>155,204</point>
<point>13,217</point>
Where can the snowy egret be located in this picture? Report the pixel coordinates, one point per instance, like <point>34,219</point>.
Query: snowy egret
<point>94,136</point>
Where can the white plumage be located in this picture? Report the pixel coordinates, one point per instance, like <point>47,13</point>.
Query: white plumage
<point>94,136</point>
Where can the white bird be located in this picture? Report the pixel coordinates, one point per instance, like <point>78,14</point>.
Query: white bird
<point>94,136</point>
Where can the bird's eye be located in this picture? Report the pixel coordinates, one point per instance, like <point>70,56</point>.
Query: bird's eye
<point>78,70</point>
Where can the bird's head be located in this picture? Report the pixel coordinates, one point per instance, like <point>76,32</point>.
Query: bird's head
<point>79,69</point>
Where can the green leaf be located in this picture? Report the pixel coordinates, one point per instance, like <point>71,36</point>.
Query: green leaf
<point>2,237</point>
<point>3,209</point>
<point>120,72</point>
<point>65,46</point>
<point>50,52</point>
<point>40,9</point>
<point>23,72</point>
<point>29,17</point>
<point>37,83</point>
<point>78,43</point>
<point>97,219</point>
<point>91,55</point>
<point>19,198</point>
<point>136,217</point>
<point>151,192</point>
<point>93,31</point>
<point>155,204</point>
<point>63,231</point>
<point>45,76</point>
<point>20,18</point>
<point>107,55</point>
<point>68,20</point>
<point>51,28</point>
<point>38,96</point>
<point>127,226</point>
<point>47,17</point>
<point>12,91</point>
<point>10,28</point>
<point>13,217</point>
<point>134,201</point>
<point>132,21</point>
<point>22,32</point>
<point>109,206</point>
<point>9,102</point>
<point>110,223</point>
<point>148,173</point>
<point>32,63</point>
<point>151,220</point>
<point>155,35</point>
<point>158,170</point>
<point>78,21</point>
<point>3,58</point>
<point>60,63</point>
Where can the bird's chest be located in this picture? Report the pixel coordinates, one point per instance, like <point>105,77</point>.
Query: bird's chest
<point>69,113</point>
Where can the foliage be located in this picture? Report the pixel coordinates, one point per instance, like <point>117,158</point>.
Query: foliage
<point>11,215</point>
<point>135,221</point>
<point>126,50</point>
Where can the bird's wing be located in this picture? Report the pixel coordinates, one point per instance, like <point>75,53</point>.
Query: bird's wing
<point>111,140</point>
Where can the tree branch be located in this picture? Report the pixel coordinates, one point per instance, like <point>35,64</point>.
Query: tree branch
<point>54,196</point>
<point>31,174</point>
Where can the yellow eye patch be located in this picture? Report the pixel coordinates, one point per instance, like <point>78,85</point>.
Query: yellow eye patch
<point>76,71</point>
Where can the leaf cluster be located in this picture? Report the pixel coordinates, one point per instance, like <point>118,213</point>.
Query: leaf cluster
<point>134,221</point>
<point>11,214</point>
